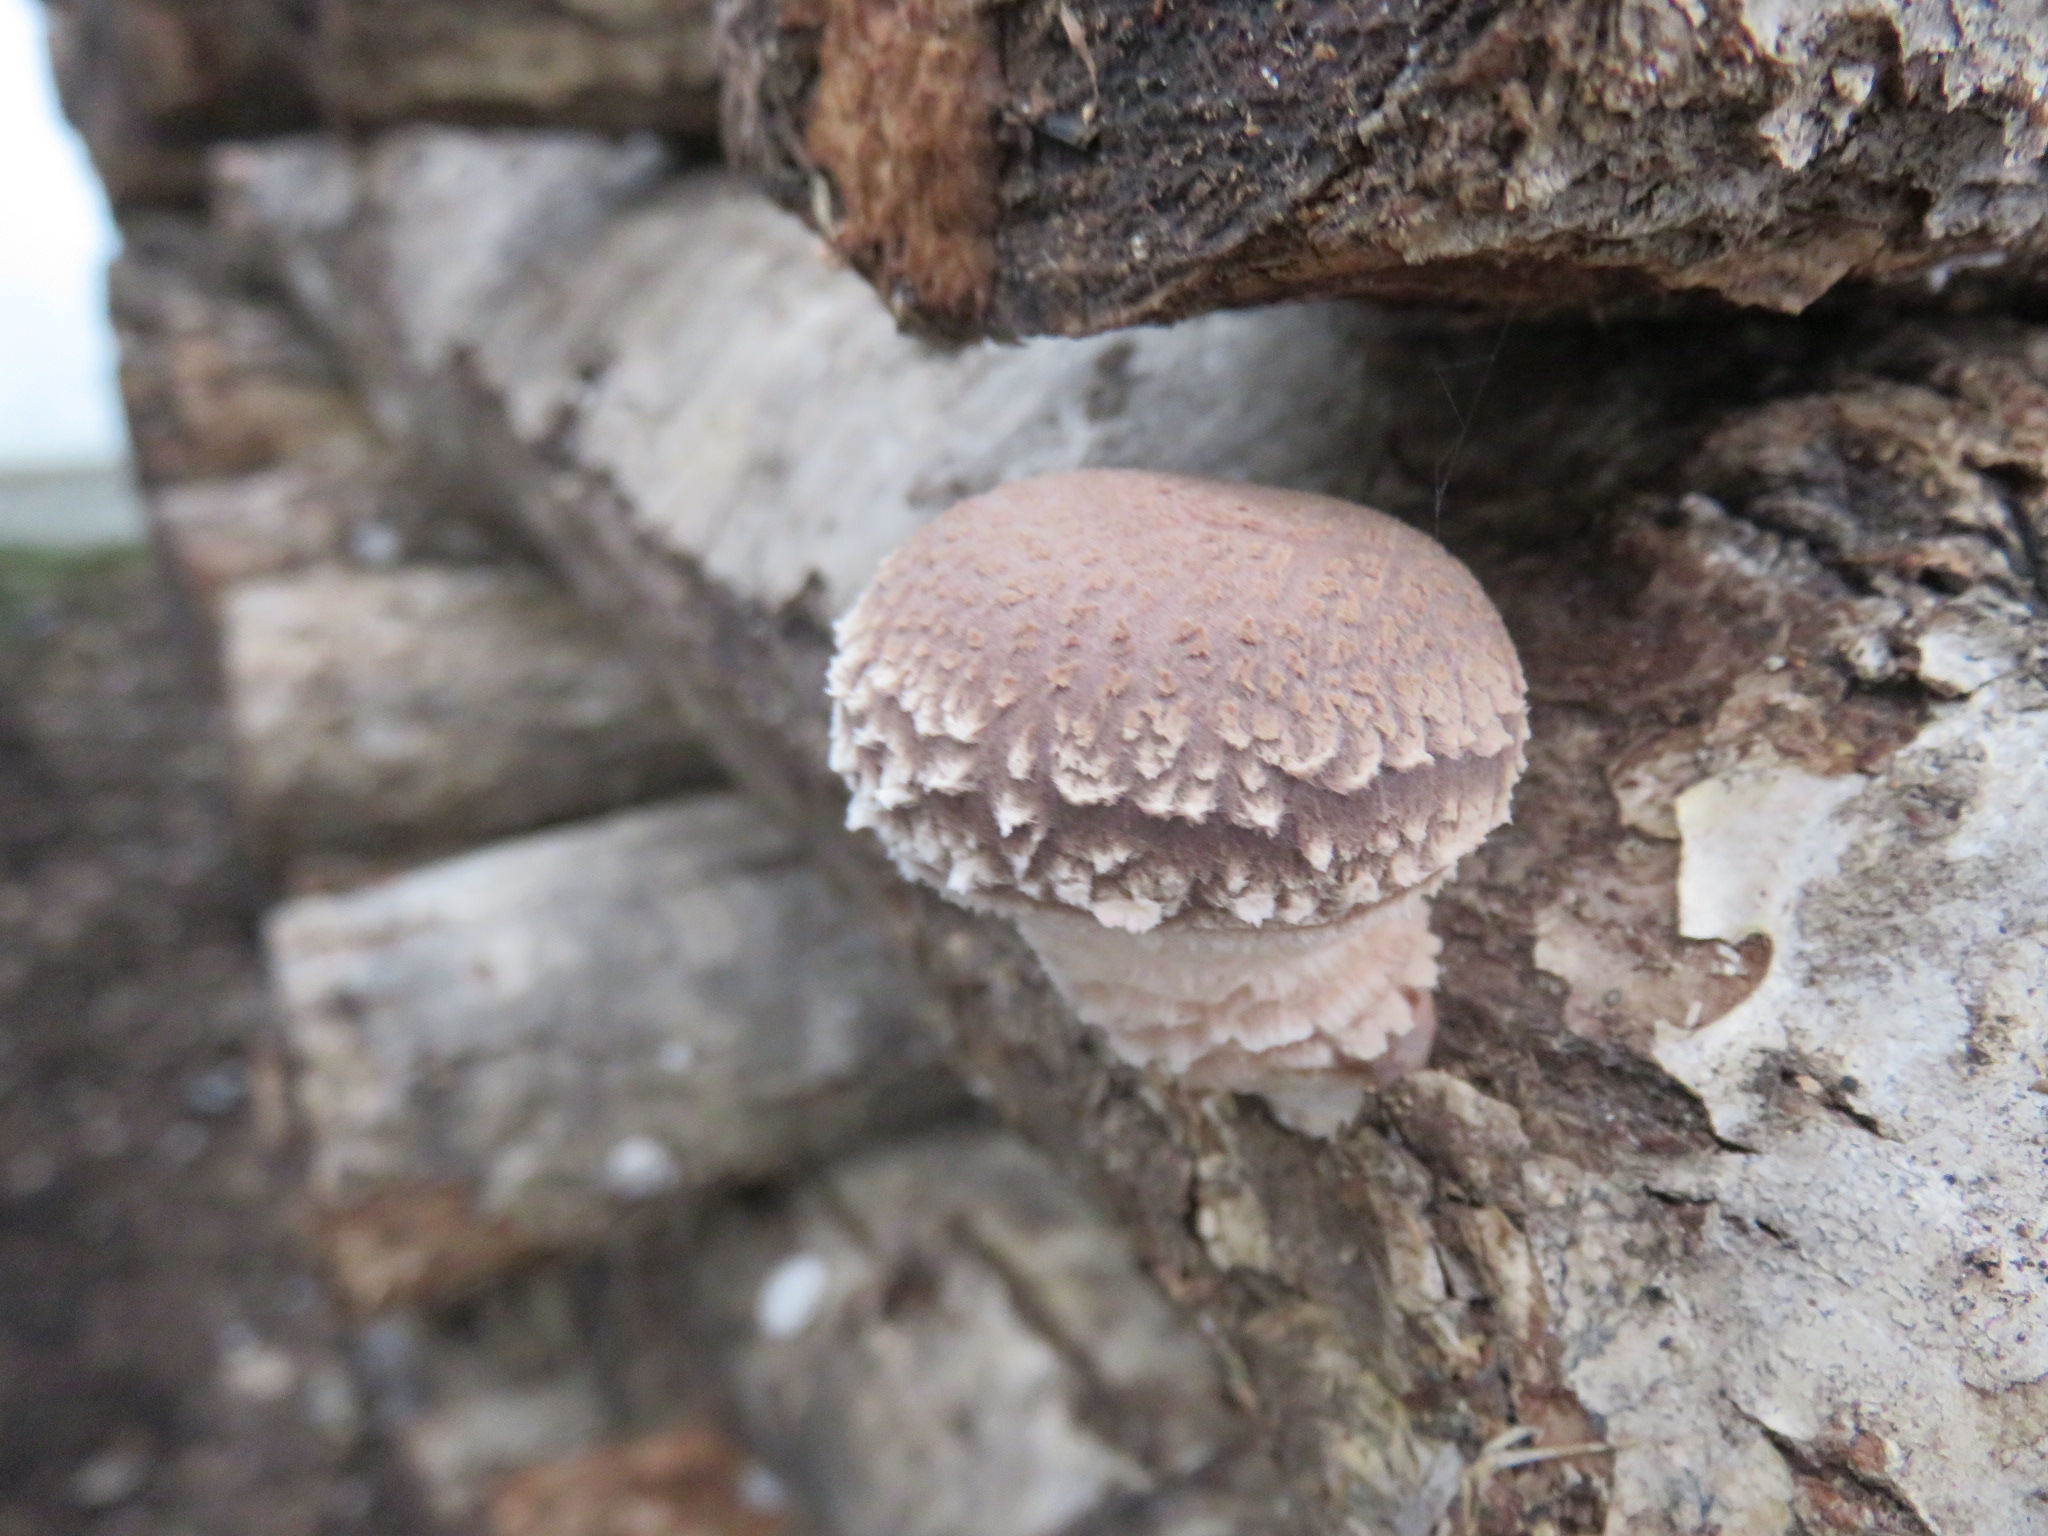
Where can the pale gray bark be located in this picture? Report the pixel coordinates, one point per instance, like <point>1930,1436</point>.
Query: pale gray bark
<point>506,1053</point>
<point>930,1336</point>
<point>351,509</point>
<point>430,707</point>
<point>218,533</point>
<point>378,708</point>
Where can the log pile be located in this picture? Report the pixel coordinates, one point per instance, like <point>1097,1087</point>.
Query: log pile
<point>1717,1208</point>
<point>591,1069</point>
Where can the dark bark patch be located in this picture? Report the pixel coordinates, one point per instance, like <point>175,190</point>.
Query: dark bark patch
<point>1842,1486</point>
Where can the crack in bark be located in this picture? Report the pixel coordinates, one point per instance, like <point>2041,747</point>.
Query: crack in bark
<point>1842,1488</point>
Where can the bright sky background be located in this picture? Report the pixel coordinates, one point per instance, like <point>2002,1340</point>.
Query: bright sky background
<point>57,401</point>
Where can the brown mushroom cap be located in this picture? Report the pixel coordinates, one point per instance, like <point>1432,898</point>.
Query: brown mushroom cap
<point>1149,697</point>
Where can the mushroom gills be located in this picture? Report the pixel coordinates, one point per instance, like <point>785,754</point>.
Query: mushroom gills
<point>1307,1018</point>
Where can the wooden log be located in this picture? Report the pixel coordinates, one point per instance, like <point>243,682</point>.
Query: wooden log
<point>259,457</point>
<point>345,511</point>
<point>503,1413</point>
<point>150,83</point>
<point>1073,167</point>
<point>510,1052</point>
<point>398,712</point>
<point>218,533</point>
<point>293,204</point>
<point>931,1335</point>
<point>218,378</point>
<point>1273,398</point>
<point>614,67</point>
<point>1709,1203</point>
<point>940,1336</point>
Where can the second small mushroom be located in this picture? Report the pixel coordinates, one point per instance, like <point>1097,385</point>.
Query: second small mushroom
<point>1211,746</point>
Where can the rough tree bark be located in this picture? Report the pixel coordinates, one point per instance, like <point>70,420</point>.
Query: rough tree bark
<point>1723,1188</point>
<point>1073,165</point>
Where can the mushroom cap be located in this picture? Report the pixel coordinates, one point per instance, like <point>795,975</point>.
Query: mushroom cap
<point>1153,698</point>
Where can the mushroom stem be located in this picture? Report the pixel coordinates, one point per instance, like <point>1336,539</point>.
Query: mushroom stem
<point>1308,1018</point>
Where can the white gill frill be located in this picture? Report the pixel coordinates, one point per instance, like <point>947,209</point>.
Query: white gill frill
<point>1307,1018</point>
